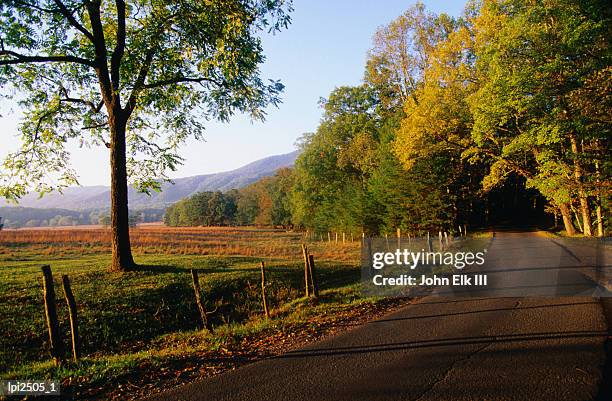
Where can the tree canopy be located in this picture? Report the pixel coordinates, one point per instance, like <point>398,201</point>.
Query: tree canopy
<point>167,66</point>
<point>138,77</point>
<point>511,93</point>
<point>537,112</point>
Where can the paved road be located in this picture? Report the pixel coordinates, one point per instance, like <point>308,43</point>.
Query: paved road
<point>529,348</point>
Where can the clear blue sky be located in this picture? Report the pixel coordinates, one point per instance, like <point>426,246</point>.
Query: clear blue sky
<point>323,48</point>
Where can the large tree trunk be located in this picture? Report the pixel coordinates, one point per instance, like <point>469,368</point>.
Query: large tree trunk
<point>584,201</point>
<point>121,250</point>
<point>566,214</point>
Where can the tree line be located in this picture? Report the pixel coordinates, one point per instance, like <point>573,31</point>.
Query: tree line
<point>264,203</point>
<point>451,110</point>
<point>17,217</point>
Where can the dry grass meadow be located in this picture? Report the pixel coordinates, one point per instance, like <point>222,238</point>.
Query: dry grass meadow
<point>140,330</point>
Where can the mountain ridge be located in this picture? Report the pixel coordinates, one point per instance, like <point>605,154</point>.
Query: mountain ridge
<point>98,196</point>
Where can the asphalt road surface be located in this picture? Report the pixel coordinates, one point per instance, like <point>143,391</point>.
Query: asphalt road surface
<point>472,348</point>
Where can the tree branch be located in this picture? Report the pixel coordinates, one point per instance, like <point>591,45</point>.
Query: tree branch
<point>139,83</point>
<point>23,59</point>
<point>70,17</point>
<point>95,108</point>
<point>178,80</point>
<point>104,124</point>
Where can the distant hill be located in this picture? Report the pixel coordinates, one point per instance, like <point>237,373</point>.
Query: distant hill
<point>16,217</point>
<point>98,197</point>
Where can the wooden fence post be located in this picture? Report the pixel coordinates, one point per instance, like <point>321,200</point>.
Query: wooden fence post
<point>328,237</point>
<point>429,244</point>
<point>336,237</point>
<point>306,270</point>
<point>313,277</point>
<point>198,299</point>
<point>264,296</point>
<point>446,238</point>
<point>74,322</point>
<point>55,340</point>
<point>343,237</point>
<point>464,230</point>
<point>440,239</point>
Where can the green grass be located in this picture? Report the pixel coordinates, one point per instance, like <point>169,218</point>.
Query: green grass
<point>147,318</point>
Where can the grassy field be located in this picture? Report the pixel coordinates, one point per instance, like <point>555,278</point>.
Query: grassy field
<point>146,321</point>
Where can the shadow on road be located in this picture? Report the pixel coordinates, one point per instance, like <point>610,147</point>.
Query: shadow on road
<point>482,311</point>
<point>443,342</point>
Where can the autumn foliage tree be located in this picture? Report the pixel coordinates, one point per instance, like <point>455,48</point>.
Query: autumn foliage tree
<point>267,201</point>
<point>543,69</point>
<point>518,89</point>
<point>137,77</point>
<point>512,93</point>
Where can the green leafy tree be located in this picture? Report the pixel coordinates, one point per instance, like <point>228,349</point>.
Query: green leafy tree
<point>538,112</point>
<point>221,209</point>
<point>280,190</point>
<point>412,200</point>
<point>202,209</point>
<point>332,170</point>
<point>66,221</point>
<point>138,77</point>
<point>247,205</point>
<point>266,202</point>
<point>32,223</point>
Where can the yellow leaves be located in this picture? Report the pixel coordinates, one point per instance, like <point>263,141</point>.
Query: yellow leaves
<point>447,62</point>
<point>497,175</point>
<point>436,121</point>
<point>360,153</point>
<point>437,115</point>
<point>489,22</point>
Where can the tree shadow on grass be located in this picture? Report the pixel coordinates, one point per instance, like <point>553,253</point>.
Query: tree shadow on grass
<point>133,313</point>
<point>170,269</point>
